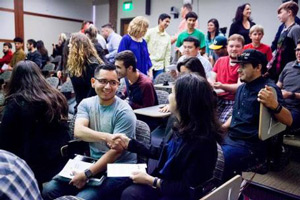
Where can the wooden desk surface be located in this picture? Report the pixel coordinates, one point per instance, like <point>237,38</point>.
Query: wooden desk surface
<point>152,111</point>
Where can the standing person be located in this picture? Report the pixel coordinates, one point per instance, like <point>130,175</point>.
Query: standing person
<point>256,34</point>
<point>43,51</point>
<point>212,32</point>
<point>19,54</point>
<point>242,22</point>
<point>159,45</point>
<point>225,76</point>
<point>82,62</point>
<point>58,48</point>
<point>34,124</point>
<point>8,54</point>
<point>98,119</point>
<point>92,32</point>
<point>287,41</point>
<point>187,156</point>
<point>185,9</point>
<point>134,42</point>
<point>33,54</point>
<point>280,28</point>
<point>113,41</point>
<point>191,18</point>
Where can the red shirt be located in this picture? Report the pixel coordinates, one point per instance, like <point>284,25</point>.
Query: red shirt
<point>6,58</point>
<point>265,49</point>
<point>226,74</point>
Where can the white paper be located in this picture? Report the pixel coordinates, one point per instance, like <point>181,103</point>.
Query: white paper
<point>4,67</point>
<point>73,165</point>
<point>124,170</point>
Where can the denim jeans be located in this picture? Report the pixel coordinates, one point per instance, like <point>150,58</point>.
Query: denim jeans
<point>111,188</point>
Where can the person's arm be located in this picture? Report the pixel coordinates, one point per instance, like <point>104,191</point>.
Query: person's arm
<point>275,41</point>
<point>115,45</point>
<point>267,97</point>
<point>123,44</point>
<point>5,59</point>
<point>269,54</point>
<point>227,87</point>
<point>167,55</point>
<point>233,29</point>
<point>83,132</point>
<point>226,125</point>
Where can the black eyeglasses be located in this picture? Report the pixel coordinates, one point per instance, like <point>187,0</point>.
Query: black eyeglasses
<point>297,49</point>
<point>105,81</point>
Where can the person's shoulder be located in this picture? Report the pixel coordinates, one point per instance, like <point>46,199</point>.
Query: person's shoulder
<point>222,60</point>
<point>122,106</point>
<point>198,31</point>
<point>89,101</point>
<point>145,80</point>
<point>248,46</point>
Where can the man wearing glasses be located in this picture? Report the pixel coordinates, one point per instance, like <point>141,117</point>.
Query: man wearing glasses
<point>139,87</point>
<point>98,118</point>
<point>290,87</point>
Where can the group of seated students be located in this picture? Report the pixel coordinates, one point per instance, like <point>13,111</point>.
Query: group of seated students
<point>211,103</point>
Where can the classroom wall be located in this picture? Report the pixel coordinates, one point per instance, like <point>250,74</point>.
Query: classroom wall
<point>102,14</point>
<point>263,12</point>
<point>44,28</point>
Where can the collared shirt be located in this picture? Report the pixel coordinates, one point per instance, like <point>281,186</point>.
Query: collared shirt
<point>18,56</point>
<point>159,46</point>
<point>289,78</point>
<point>16,178</point>
<point>113,41</point>
<point>206,64</point>
<point>245,116</point>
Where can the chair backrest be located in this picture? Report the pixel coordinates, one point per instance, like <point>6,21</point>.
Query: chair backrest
<point>67,87</point>
<point>219,168</point>
<point>49,67</point>
<point>6,75</point>
<point>53,81</point>
<point>2,98</point>
<point>142,134</point>
<point>228,191</point>
<point>161,78</point>
<point>162,96</point>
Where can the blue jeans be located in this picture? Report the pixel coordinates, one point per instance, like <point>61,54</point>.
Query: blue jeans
<point>111,188</point>
<point>239,155</point>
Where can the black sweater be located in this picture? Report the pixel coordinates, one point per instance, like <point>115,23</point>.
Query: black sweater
<point>192,165</point>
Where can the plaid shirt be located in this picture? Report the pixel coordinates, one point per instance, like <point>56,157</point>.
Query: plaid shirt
<point>16,179</point>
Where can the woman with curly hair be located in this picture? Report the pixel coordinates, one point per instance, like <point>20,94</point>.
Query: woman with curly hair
<point>34,124</point>
<point>82,62</point>
<point>134,42</point>
<point>242,22</point>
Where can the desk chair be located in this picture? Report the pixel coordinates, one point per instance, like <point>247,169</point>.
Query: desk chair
<point>162,96</point>
<point>163,77</point>
<point>53,81</point>
<point>228,191</point>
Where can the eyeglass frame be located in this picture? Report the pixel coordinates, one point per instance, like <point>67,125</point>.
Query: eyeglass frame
<point>111,82</point>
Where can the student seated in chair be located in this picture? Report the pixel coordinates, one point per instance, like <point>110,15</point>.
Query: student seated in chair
<point>188,155</point>
<point>98,118</point>
<point>242,145</point>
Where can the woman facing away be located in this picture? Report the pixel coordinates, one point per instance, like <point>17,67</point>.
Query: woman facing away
<point>187,156</point>
<point>82,62</point>
<point>242,22</point>
<point>43,51</point>
<point>134,42</point>
<point>34,124</point>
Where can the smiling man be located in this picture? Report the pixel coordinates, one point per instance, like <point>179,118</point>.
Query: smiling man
<point>225,76</point>
<point>98,118</point>
<point>242,147</point>
<point>159,45</point>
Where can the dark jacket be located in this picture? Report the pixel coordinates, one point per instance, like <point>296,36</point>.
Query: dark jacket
<point>26,132</point>
<point>35,57</point>
<point>192,165</point>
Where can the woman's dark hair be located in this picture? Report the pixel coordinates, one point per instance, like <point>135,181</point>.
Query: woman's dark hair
<point>28,83</point>
<point>65,54</point>
<point>194,65</point>
<point>198,116</point>
<point>41,47</point>
<point>239,13</point>
<point>216,23</point>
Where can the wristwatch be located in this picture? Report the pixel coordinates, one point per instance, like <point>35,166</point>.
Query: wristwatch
<point>88,173</point>
<point>154,185</point>
<point>277,109</point>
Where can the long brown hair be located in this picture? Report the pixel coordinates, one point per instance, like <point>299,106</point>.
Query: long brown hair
<point>81,50</point>
<point>27,82</point>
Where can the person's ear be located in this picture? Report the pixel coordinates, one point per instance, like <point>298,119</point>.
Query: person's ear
<point>93,80</point>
